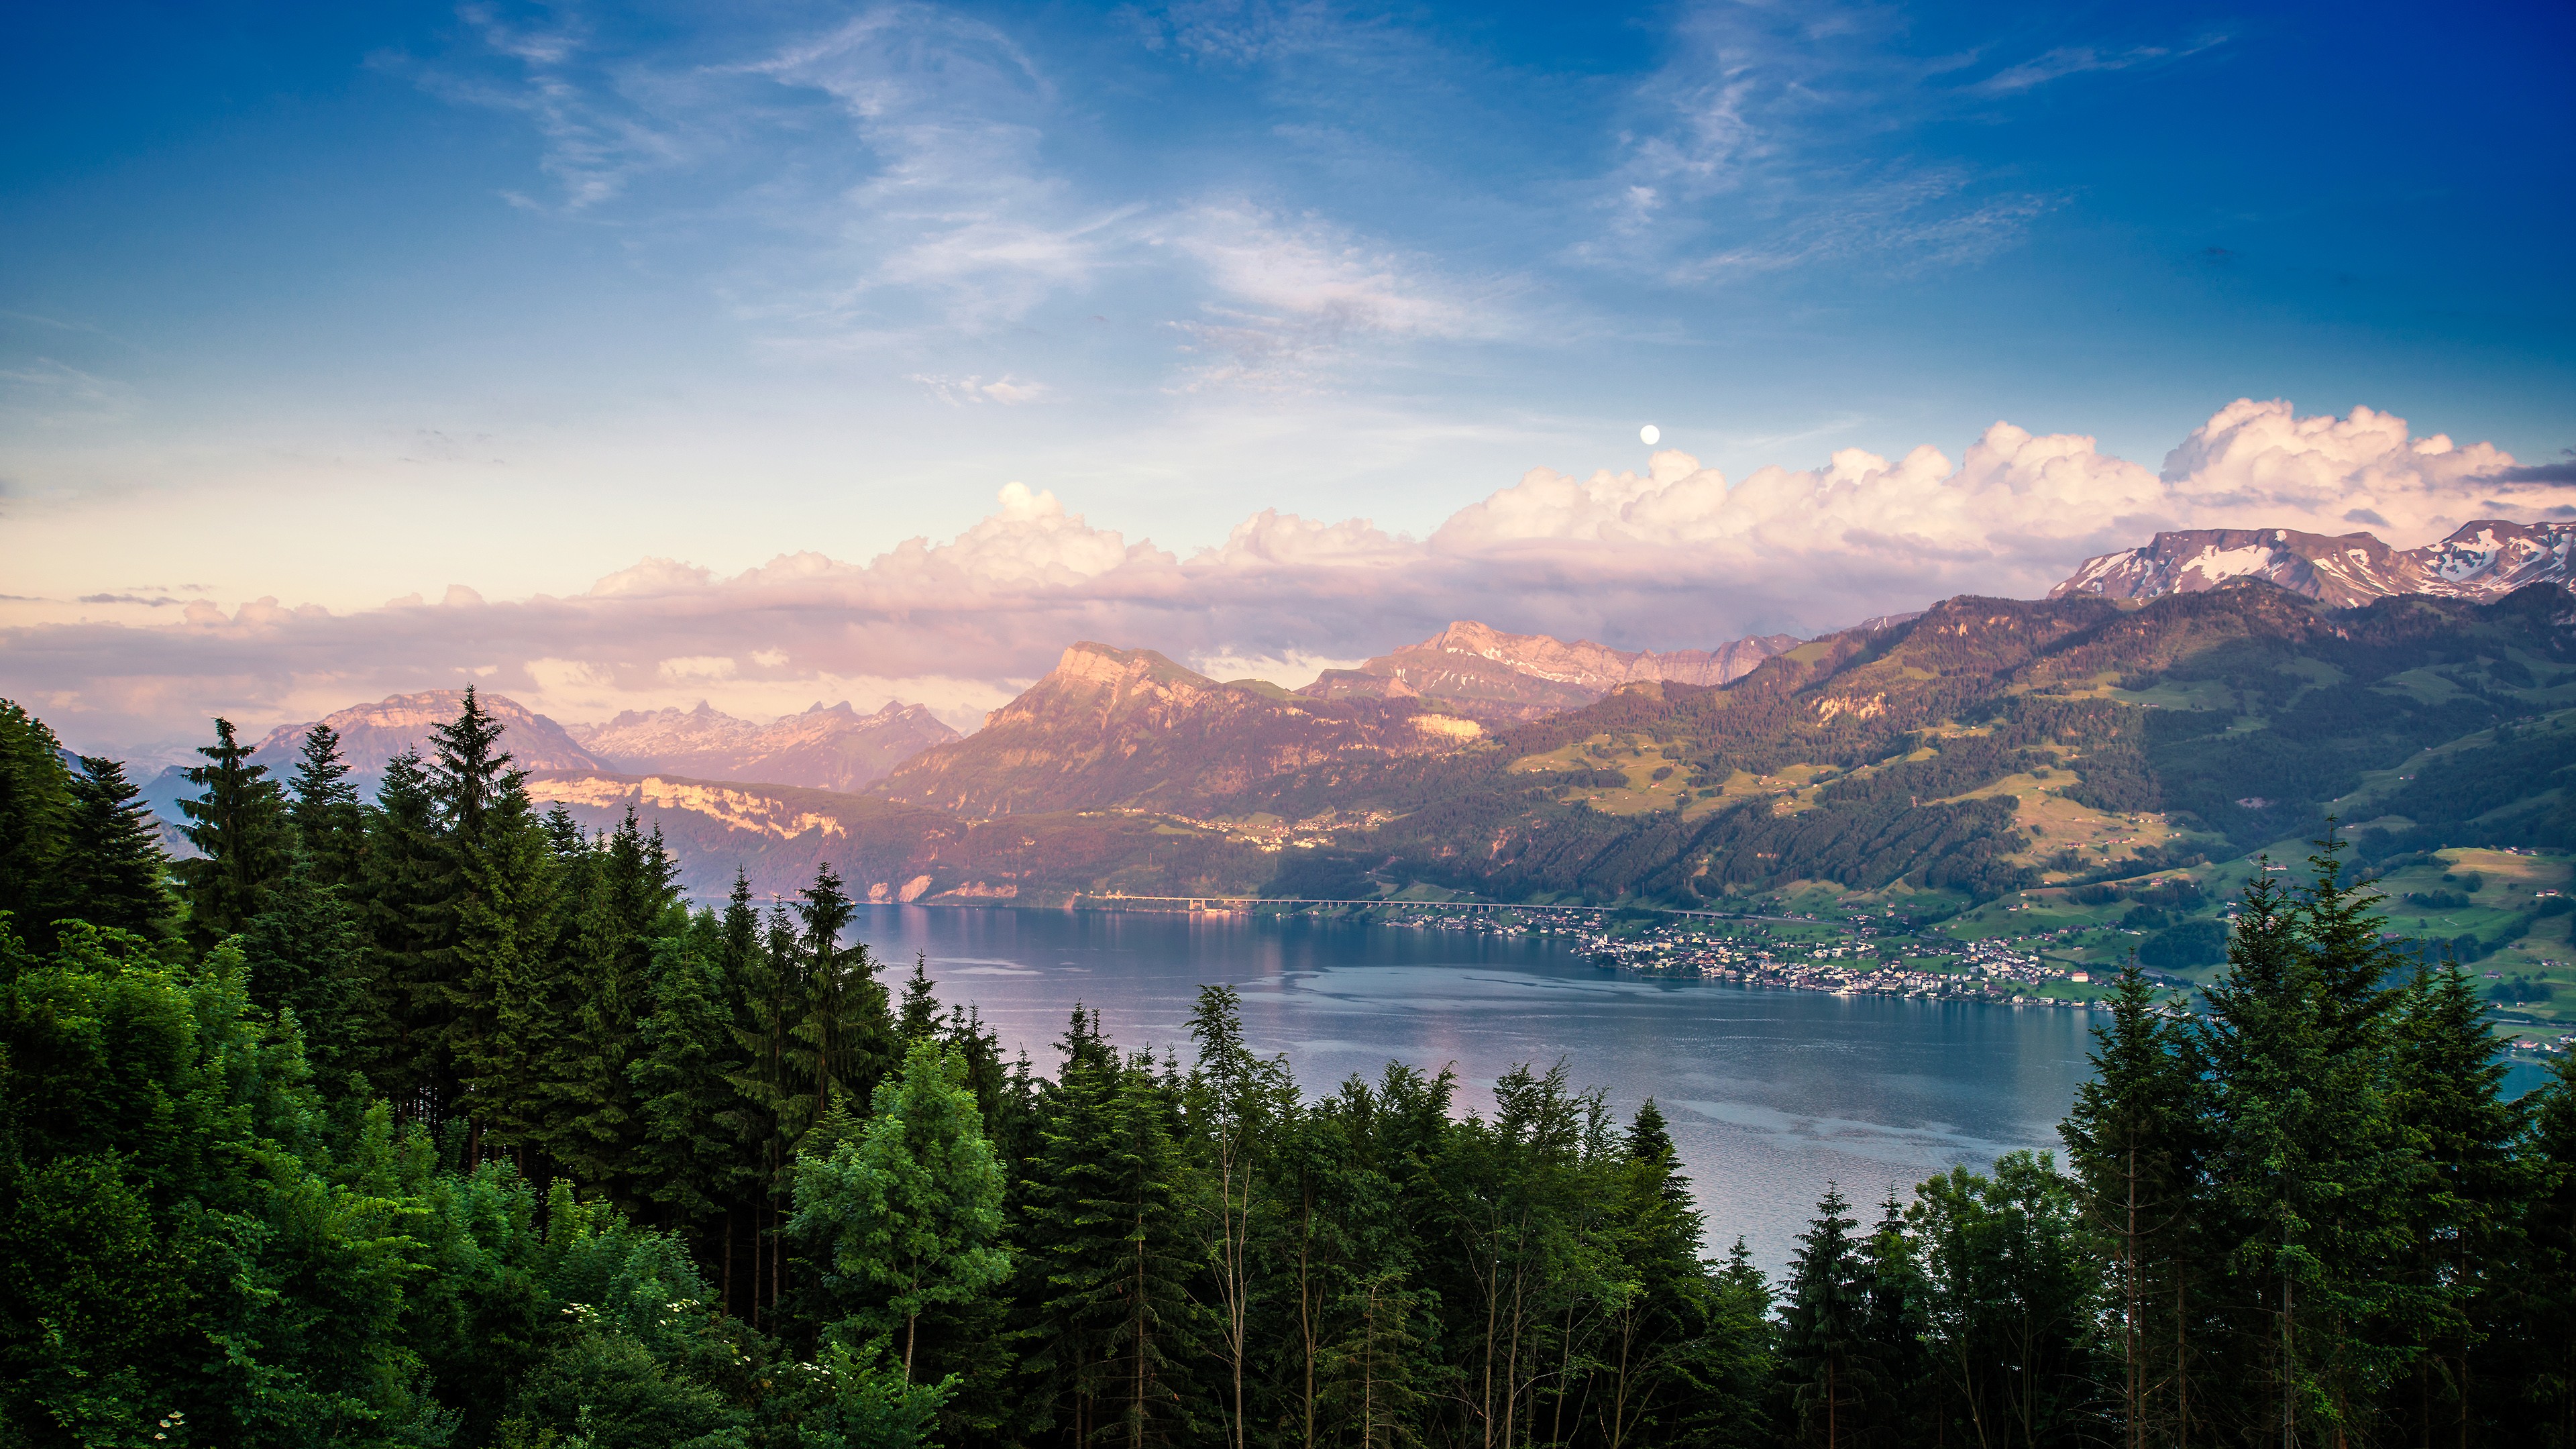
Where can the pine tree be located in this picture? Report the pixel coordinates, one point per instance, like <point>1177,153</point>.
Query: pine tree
<point>306,954</point>
<point>1105,1310</point>
<point>35,800</point>
<point>919,1015</point>
<point>847,1035</point>
<point>469,771</point>
<point>2135,1141</point>
<point>330,824</point>
<point>506,1013</point>
<point>1820,1328</point>
<point>690,1161</point>
<point>772,995</point>
<point>239,828</point>
<point>113,872</point>
<point>1652,1358</point>
<point>407,898</point>
<point>1892,1328</point>
<point>2448,1091</point>
<point>2533,1364</point>
<point>1737,1360</point>
<point>2310,1167</point>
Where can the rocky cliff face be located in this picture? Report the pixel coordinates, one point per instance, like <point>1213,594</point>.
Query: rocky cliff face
<point>372,734</point>
<point>828,747</point>
<point>1117,727</point>
<point>2482,561</point>
<point>1488,673</point>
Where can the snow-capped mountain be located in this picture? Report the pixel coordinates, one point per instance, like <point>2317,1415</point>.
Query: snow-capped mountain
<point>2483,560</point>
<point>828,747</point>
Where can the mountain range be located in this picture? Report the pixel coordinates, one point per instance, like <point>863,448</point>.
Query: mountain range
<point>828,747</point>
<point>2483,560</point>
<point>2206,695</point>
<point>1493,675</point>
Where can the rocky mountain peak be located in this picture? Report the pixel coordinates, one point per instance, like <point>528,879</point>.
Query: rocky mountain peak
<point>2483,560</point>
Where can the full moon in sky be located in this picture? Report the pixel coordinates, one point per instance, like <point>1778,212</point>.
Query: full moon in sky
<point>1650,435</point>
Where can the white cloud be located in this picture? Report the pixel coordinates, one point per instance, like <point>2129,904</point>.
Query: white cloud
<point>1674,557</point>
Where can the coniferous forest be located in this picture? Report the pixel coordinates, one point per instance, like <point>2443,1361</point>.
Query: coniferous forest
<point>434,1120</point>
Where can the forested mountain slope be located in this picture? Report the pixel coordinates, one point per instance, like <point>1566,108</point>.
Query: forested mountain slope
<point>1995,743</point>
<point>1985,746</point>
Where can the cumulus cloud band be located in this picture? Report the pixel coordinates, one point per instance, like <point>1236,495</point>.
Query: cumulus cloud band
<point>1674,557</point>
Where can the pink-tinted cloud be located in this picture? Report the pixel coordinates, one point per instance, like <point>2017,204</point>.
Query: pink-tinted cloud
<point>1676,557</point>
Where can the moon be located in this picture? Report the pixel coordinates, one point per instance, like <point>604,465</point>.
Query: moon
<point>1650,435</point>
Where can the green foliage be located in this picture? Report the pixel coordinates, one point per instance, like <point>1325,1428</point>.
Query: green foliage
<point>909,1215</point>
<point>470,1134</point>
<point>238,826</point>
<point>2186,946</point>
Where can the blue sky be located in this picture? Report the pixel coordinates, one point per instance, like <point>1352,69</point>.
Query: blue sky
<point>341,304</point>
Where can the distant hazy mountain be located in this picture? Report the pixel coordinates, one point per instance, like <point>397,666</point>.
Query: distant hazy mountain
<point>2484,560</point>
<point>891,853</point>
<point>1495,675</point>
<point>1119,727</point>
<point>828,747</point>
<point>372,734</point>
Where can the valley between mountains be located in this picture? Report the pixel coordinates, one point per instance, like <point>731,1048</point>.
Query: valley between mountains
<point>2117,753</point>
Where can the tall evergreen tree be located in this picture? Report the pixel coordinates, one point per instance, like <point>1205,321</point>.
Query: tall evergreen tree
<point>2533,1363</point>
<point>2448,1091</point>
<point>113,872</point>
<point>238,824</point>
<point>847,1037</point>
<point>690,1160</point>
<point>592,1119</point>
<point>2310,1168</point>
<point>407,897</point>
<point>330,824</point>
<point>2136,1143</point>
<point>35,798</point>
<point>307,954</point>
<point>1655,1358</point>
<point>1821,1371</point>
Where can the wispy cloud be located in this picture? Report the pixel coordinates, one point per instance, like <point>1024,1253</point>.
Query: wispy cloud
<point>2069,60</point>
<point>1777,139</point>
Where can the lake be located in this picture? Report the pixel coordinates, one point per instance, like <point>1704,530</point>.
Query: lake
<point>1771,1093</point>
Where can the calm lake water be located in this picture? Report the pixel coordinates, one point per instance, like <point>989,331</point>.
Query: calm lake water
<point>1771,1094</point>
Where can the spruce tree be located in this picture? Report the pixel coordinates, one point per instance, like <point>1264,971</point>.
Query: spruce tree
<point>2136,1143</point>
<point>2311,1167</point>
<point>113,872</point>
<point>306,954</point>
<point>846,1039</point>
<point>1653,1358</point>
<point>407,897</point>
<point>919,1015</point>
<point>690,1160</point>
<point>1821,1322</point>
<point>35,799</point>
<point>2533,1363</point>
<point>330,824</point>
<point>2460,1217</point>
<point>1234,1100</point>
<point>238,824</point>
